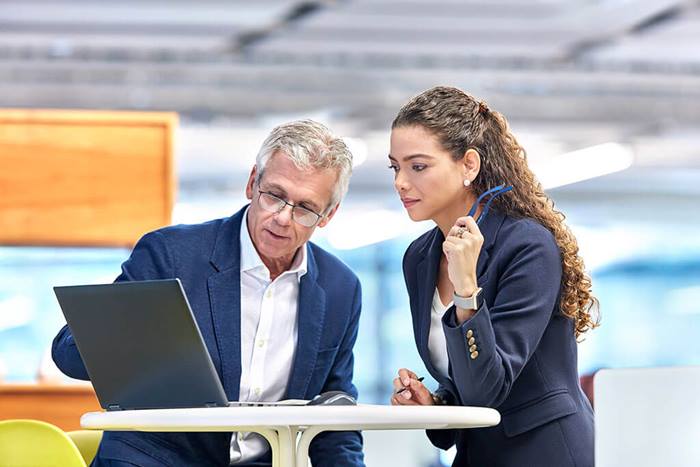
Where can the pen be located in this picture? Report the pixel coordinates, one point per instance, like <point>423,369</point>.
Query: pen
<point>399,391</point>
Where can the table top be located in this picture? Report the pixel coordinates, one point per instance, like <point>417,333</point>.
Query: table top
<point>359,417</point>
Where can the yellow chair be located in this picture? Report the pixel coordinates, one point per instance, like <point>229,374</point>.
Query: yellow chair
<point>37,444</point>
<point>88,441</point>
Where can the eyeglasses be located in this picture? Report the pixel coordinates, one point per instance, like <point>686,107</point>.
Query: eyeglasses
<point>491,194</point>
<point>301,215</point>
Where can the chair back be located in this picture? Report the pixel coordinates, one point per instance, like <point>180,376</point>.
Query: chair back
<point>39,444</point>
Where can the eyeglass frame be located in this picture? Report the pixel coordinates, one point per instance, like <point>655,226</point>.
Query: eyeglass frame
<point>491,194</point>
<point>284,203</point>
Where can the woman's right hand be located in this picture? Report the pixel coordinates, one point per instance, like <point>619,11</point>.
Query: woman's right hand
<point>462,248</point>
<point>414,392</point>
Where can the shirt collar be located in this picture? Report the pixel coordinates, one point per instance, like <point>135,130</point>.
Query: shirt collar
<point>251,261</point>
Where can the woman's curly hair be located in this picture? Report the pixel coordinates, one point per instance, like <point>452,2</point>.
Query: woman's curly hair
<point>461,122</point>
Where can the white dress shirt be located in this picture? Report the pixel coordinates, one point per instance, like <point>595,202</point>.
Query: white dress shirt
<point>437,345</point>
<point>268,335</point>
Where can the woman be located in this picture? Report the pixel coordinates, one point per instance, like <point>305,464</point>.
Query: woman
<point>499,296</point>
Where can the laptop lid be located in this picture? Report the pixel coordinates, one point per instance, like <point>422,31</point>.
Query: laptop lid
<point>141,345</point>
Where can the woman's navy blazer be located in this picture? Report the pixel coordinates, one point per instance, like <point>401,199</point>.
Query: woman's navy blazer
<point>525,363</point>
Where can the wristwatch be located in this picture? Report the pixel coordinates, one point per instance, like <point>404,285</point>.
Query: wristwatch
<point>467,303</point>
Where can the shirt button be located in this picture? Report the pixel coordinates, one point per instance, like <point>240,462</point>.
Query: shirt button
<point>258,391</point>
<point>261,342</point>
<point>268,294</point>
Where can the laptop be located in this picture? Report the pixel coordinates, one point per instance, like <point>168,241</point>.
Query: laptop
<point>141,345</point>
<point>647,417</point>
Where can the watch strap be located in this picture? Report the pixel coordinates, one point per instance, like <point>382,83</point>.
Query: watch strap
<point>467,303</point>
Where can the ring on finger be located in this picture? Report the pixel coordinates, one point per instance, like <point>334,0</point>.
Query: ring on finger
<point>460,232</point>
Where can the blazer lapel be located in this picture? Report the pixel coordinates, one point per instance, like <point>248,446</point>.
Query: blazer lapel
<point>489,229</point>
<point>224,296</point>
<point>481,264</point>
<point>311,313</point>
<point>426,278</point>
<point>224,287</point>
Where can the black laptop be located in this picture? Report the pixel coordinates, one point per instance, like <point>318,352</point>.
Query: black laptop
<point>141,345</point>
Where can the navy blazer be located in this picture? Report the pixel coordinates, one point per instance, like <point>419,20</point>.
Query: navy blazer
<point>206,258</point>
<point>525,362</point>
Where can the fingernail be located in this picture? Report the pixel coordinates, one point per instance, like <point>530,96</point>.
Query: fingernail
<point>406,394</point>
<point>406,381</point>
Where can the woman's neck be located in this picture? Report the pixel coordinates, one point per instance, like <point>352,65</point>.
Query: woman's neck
<point>448,216</point>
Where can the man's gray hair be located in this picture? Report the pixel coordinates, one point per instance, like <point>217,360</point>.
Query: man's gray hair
<point>310,145</point>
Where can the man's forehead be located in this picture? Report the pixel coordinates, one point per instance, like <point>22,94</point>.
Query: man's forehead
<point>312,186</point>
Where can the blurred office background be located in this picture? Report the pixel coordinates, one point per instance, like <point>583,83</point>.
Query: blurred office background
<point>603,94</point>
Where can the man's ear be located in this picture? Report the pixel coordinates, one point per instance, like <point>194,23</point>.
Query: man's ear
<point>251,182</point>
<point>327,218</point>
<point>471,164</point>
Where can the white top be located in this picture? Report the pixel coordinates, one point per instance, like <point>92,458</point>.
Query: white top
<point>268,335</point>
<point>437,345</point>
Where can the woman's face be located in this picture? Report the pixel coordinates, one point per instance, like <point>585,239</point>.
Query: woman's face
<point>428,180</point>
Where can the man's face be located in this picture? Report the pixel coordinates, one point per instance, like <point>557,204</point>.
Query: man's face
<point>277,236</point>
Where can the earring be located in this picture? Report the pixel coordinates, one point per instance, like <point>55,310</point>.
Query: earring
<point>467,182</point>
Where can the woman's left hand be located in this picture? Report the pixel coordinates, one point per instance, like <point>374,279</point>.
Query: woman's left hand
<point>408,390</point>
<point>462,247</point>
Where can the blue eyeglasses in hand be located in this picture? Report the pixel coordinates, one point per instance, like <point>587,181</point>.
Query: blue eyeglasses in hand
<point>493,193</point>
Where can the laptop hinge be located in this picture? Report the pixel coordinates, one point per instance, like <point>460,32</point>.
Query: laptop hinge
<point>211,404</point>
<point>111,407</point>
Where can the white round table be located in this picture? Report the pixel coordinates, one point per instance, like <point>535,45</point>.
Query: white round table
<point>281,425</point>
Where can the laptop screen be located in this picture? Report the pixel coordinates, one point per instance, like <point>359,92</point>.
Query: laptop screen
<point>141,345</point>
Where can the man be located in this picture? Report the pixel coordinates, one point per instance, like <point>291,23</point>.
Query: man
<point>279,315</point>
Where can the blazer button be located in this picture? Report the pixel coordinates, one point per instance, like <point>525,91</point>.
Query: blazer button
<point>472,348</point>
<point>471,341</point>
<point>474,354</point>
<point>470,333</point>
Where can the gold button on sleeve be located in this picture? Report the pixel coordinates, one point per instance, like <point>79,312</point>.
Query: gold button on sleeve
<point>470,333</point>
<point>471,341</point>
<point>472,348</point>
<point>474,354</point>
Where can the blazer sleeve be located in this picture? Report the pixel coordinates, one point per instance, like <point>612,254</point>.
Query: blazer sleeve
<point>443,439</point>
<point>507,331</point>
<point>150,259</point>
<point>336,448</point>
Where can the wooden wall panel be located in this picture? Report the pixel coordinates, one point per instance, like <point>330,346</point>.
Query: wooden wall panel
<point>84,177</point>
<point>60,404</point>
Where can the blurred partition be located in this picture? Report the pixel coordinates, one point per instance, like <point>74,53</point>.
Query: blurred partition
<point>84,178</point>
<point>76,178</point>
